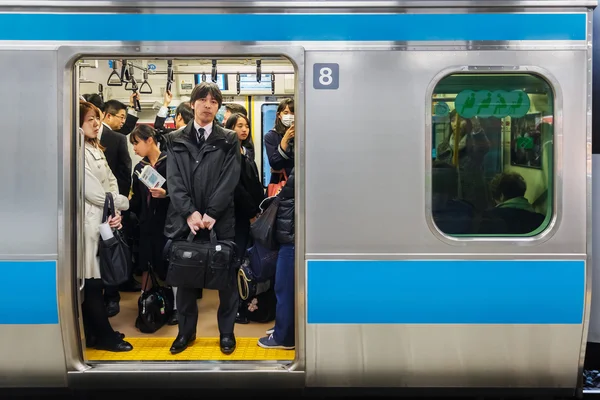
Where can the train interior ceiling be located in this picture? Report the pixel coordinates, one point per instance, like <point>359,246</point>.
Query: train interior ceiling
<point>237,80</point>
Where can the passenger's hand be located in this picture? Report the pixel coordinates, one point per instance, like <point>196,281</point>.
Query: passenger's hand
<point>158,193</point>
<point>167,99</point>
<point>132,98</point>
<point>289,134</point>
<point>208,222</point>
<point>195,223</point>
<point>115,222</point>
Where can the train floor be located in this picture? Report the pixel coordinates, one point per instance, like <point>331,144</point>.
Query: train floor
<point>155,346</point>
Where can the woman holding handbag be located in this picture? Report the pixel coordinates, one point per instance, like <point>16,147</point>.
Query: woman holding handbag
<point>279,142</point>
<point>99,180</point>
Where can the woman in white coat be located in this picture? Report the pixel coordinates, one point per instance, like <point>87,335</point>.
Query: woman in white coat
<point>98,181</point>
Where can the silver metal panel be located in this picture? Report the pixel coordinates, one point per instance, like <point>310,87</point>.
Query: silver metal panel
<point>594,327</point>
<point>371,197</point>
<point>186,376</point>
<point>348,4</point>
<point>589,201</point>
<point>543,356</point>
<point>199,374</point>
<point>31,356</point>
<point>369,202</point>
<point>28,170</point>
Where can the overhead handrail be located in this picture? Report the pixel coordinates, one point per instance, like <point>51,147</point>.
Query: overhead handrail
<point>214,71</point>
<point>134,88</point>
<point>124,74</point>
<point>117,81</point>
<point>145,83</point>
<point>170,79</point>
<point>272,83</point>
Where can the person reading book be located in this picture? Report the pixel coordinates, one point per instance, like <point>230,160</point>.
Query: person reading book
<point>150,205</point>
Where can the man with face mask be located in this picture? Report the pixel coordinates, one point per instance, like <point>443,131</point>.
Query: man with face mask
<point>279,141</point>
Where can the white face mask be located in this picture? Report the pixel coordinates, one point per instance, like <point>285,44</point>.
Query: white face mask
<point>287,120</point>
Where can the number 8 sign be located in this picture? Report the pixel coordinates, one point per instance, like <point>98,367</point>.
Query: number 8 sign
<point>326,76</point>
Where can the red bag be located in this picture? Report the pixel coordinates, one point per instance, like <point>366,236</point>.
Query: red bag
<point>274,188</point>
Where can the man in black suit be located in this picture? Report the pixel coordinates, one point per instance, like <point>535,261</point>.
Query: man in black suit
<point>203,170</point>
<point>113,114</point>
<point>183,115</point>
<point>131,118</point>
<point>117,153</point>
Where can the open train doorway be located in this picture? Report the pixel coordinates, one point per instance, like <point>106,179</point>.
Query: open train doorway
<point>132,94</point>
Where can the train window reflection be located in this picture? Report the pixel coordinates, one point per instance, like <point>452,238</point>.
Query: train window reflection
<point>492,154</point>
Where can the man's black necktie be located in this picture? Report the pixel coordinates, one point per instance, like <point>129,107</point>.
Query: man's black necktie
<point>200,137</point>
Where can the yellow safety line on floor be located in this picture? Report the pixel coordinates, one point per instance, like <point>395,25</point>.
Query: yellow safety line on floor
<point>203,349</point>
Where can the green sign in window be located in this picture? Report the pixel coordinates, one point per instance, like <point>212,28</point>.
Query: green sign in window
<point>487,103</point>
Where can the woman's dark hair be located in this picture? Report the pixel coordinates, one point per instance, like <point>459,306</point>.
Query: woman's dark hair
<point>469,127</point>
<point>145,132</point>
<point>279,126</point>
<point>84,108</point>
<point>232,121</point>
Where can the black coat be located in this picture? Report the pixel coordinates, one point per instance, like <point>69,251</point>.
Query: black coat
<point>202,180</point>
<point>284,225</point>
<point>151,212</point>
<point>249,192</point>
<point>117,157</point>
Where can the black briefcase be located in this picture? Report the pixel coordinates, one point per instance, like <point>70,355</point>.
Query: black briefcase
<point>195,263</point>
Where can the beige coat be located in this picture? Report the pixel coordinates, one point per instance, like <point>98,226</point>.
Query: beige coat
<point>99,180</point>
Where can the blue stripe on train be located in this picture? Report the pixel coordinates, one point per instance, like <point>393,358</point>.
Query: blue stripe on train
<point>445,292</point>
<point>28,293</point>
<point>293,27</point>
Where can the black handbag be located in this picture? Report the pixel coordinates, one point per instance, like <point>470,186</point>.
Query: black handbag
<point>263,229</point>
<point>155,306</point>
<point>202,264</point>
<point>114,254</point>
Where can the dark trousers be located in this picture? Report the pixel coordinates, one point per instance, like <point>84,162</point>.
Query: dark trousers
<point>95,317</point>
<point>111,293</point>
<point>187,309</point>
<point>285,333</point>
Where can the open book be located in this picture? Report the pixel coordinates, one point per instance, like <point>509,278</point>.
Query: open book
<point>150,177</point>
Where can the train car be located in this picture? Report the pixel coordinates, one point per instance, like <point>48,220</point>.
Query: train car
<point>443,188</point>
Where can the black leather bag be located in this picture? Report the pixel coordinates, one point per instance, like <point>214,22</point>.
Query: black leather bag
<point>155,307</point>
<point>202,264</point>
<point>263,229</point>
<point>114,254</point>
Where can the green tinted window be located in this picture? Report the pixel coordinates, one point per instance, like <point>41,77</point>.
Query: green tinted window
<point>492,158</point>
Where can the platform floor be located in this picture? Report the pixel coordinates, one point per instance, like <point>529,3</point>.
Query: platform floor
<point>155,347</point>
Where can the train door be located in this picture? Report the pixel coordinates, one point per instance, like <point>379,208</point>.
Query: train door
<point>154,346</point>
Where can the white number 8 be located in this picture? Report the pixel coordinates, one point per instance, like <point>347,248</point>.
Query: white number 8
<point>325,78</point>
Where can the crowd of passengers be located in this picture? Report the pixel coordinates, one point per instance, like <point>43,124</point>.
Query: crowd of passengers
<point>463,202</point>
<point>225,197</point>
